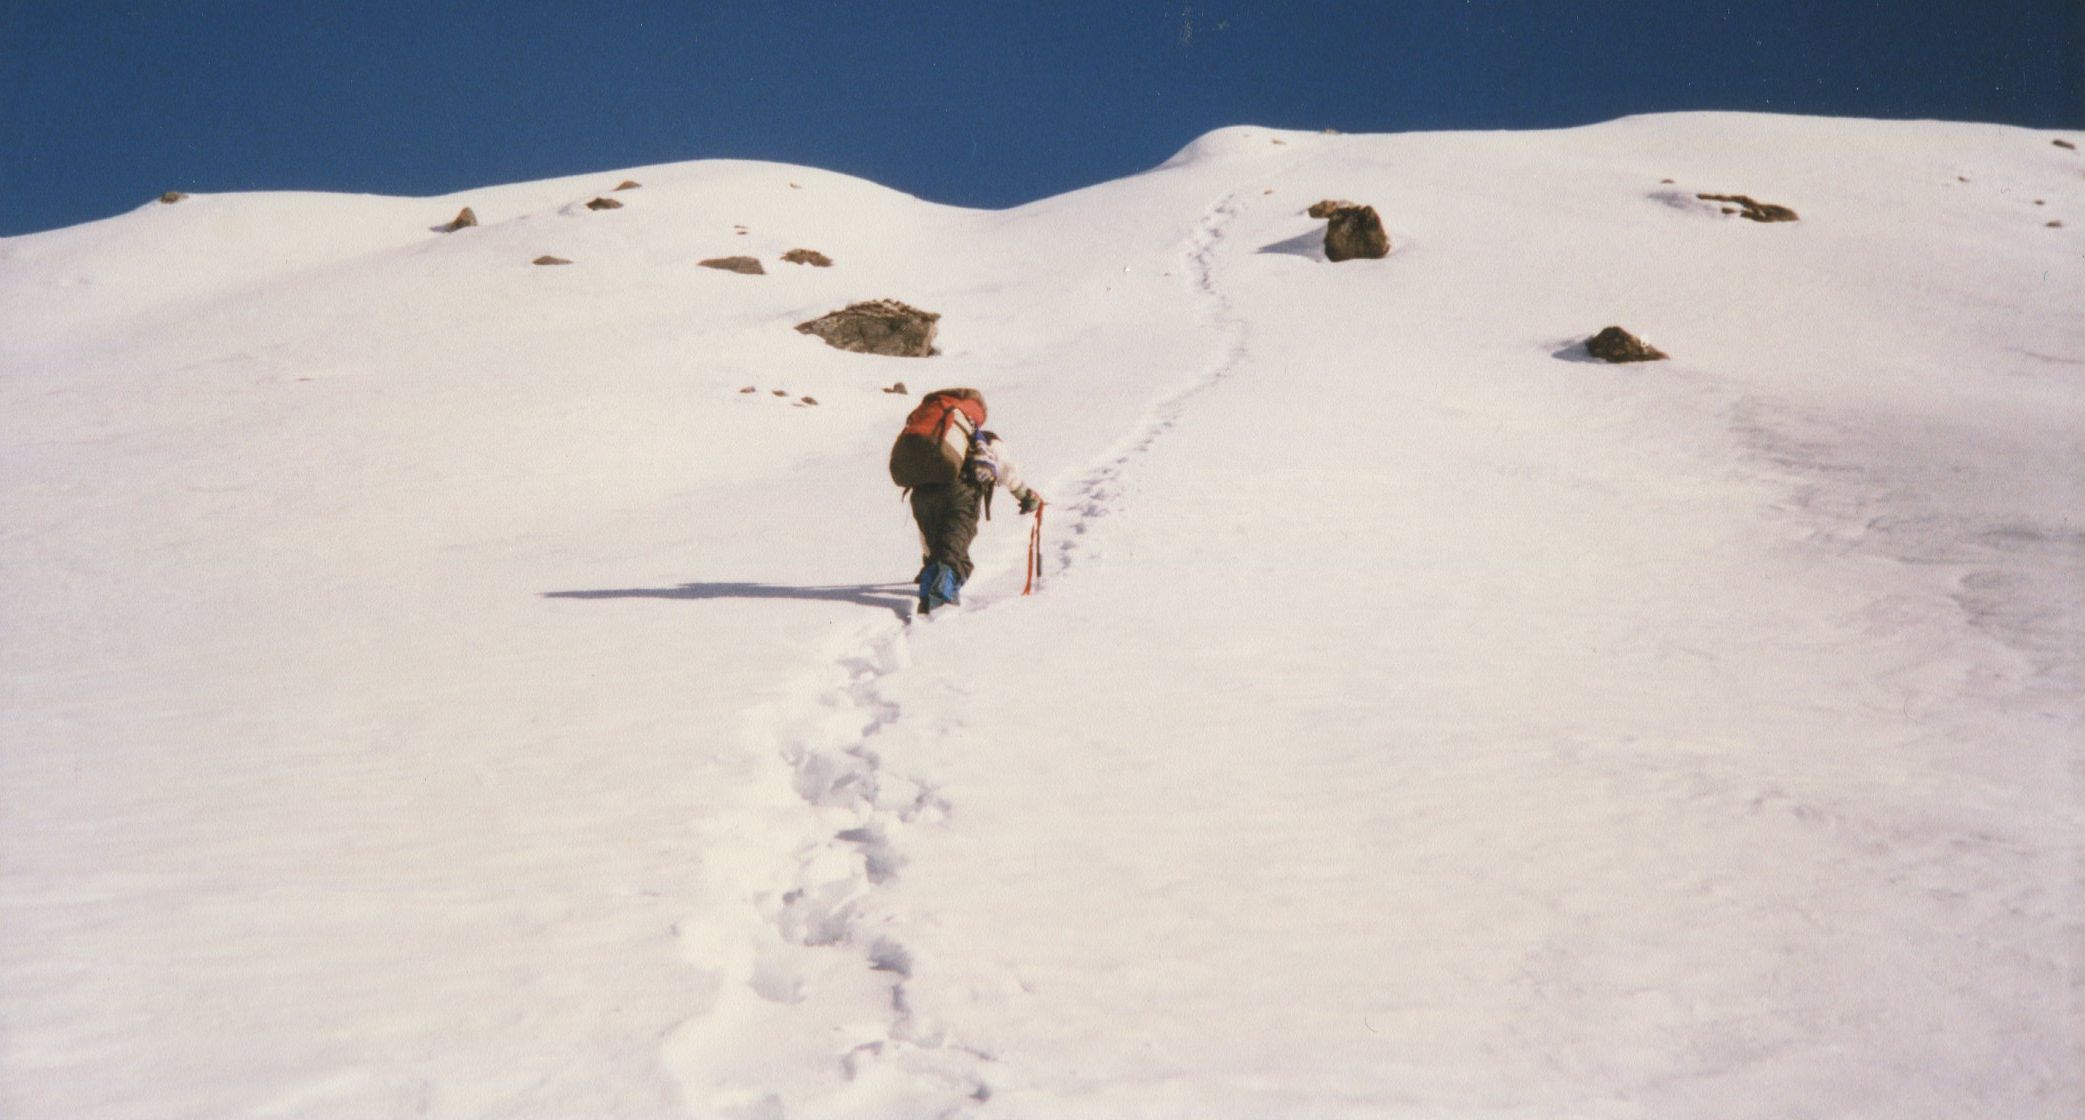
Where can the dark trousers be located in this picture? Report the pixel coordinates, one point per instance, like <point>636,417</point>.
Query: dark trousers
<point>947,517</point>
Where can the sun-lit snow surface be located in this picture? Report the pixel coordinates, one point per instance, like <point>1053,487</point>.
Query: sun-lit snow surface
<point>431,687</point>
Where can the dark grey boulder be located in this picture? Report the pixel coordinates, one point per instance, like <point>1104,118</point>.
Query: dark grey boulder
<point>1355,233</point>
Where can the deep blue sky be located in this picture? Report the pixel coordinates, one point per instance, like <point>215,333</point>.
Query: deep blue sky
<point>106,103</point>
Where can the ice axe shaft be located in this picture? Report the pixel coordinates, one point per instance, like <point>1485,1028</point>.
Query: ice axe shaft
<point>1034,552</point>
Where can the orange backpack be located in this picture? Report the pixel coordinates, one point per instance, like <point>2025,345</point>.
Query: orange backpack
<point>930,449</point>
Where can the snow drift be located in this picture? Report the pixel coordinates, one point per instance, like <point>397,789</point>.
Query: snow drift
<point>433,687</point>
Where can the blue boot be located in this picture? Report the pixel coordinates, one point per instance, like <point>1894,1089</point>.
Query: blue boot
<point>938,586</point>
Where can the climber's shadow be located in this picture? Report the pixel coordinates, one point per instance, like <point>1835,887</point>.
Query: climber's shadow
<point>896,598</point>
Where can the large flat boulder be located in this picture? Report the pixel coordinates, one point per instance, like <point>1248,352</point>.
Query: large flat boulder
<point>877,326</point>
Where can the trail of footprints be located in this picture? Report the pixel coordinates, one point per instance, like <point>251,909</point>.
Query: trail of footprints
<point>828,903</point>
<point>1095,494</point>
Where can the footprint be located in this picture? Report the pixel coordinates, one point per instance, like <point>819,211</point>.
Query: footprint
<point>775,978</point>
<point>880,861</point>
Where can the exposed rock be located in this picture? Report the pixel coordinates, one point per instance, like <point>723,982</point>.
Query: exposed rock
<point>1665,181</point>
<point>464,219</point>
<point>1614,344</point>
<point>2064,144</point>
<point>897,387</point>
<point>628,185</point>
<point>1752,208</point>
<point>548,259</point>
<point>809,400</point>
<point>172,197</point>
<point>749,389</point>
<point>810,257</point>
<point>748,265</point>
<point>880,326</point>
<point>1326,208</point>
<point>781,392</point>
<point>796,186</point>
<point>2058,224</point>
<point>1355,233</point>
<point>604,204</point>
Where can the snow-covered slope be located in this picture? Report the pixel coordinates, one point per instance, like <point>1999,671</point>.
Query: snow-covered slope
<point>433,688</point>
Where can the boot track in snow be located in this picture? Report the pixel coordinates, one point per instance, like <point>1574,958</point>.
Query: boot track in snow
<point>831,900</point>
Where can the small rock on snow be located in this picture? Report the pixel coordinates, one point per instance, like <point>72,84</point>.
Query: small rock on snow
<point>748,265</point>
<point>1613,344</point>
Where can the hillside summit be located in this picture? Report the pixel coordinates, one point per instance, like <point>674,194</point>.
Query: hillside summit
<point>440,684</point>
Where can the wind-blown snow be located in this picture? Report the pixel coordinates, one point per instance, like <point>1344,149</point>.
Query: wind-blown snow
<point>432,688</point>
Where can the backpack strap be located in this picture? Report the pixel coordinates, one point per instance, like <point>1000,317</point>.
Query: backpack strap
<point>981,450</point>
<point>953,416</point>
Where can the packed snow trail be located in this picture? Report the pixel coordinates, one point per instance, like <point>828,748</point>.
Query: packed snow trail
<point>830,945</point>
<point>794,992</point>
